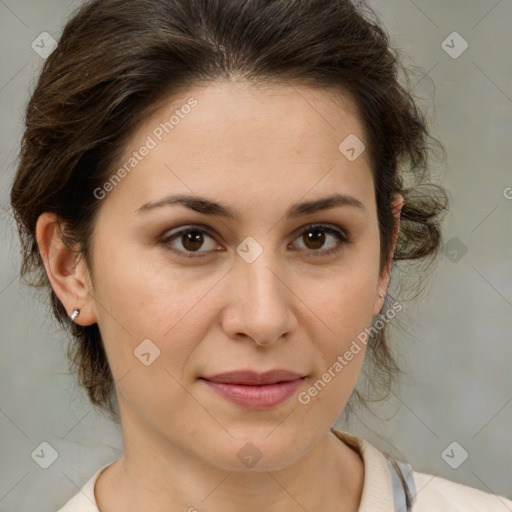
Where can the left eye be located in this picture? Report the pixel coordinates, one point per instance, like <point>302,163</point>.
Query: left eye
<point>314,237</point>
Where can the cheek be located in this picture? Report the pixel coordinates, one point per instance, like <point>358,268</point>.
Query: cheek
<point>151,319</point>
<point>340,310</point>
<point>141,296</point>
<point>343,301</point>
<point>339,339</point>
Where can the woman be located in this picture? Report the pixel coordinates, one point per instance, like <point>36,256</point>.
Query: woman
<point>214,193</point>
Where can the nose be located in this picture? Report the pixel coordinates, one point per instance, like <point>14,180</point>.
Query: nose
<point>261,305</point>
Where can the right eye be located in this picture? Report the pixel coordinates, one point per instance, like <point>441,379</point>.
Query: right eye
<point>187,241</point>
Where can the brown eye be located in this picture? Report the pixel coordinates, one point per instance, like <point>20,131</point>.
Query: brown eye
<point>192,240</point>
<point>189,241</point>
<point>198,242</point>
<point>315,237</point>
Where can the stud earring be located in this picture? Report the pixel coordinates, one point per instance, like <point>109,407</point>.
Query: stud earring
<point>75,314</point>
<point>382,295</point>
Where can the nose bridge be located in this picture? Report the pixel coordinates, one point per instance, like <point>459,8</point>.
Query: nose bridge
<point>262,281</point>
<point>264,307</point>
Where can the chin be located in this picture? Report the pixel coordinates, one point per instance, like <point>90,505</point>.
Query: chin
<point>259,452</point>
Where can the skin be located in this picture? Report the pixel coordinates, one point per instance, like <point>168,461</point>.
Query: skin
<point>258,150</point>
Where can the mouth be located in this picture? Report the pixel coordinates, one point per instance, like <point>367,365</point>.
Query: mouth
<point>253,390</point>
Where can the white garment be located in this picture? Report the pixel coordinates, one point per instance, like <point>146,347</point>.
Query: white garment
<point>433,494</point>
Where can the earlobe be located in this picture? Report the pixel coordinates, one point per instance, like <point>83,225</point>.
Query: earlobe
<point>65,269</point>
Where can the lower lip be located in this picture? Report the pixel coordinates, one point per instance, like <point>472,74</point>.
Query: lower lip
<point>256,397</point>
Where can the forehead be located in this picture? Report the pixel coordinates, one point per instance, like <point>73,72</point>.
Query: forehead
<point>233,135</point>
<point>263,120</point>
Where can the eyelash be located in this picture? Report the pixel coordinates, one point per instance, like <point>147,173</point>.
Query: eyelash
<point>340,235</point>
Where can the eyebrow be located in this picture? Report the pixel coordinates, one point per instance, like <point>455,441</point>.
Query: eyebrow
<point>208,207</point>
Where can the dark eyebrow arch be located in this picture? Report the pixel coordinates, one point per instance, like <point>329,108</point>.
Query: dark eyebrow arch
<point>208,207</point>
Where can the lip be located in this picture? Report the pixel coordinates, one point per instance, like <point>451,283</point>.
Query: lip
<point>250,378</point>
<point>255,390</point>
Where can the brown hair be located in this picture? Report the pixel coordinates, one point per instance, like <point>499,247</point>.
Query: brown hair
<point>117,59</point>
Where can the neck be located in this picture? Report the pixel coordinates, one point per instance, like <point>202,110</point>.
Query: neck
<point>159,476</point>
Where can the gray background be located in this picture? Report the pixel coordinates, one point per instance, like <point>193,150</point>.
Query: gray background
<point>455,341</point>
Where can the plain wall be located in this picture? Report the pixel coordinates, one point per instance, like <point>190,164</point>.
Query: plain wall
<point>454,341</point>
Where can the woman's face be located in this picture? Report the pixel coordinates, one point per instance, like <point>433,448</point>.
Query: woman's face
<point>180,294</point>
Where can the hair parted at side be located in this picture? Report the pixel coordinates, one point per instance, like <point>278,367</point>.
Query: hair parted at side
<point>118,59</point>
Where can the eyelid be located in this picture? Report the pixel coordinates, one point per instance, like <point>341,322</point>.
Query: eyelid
<point>340,233</point>
<point>330,228</point>
<point>173,234</point>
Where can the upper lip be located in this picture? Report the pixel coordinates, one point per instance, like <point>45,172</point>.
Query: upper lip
<point>253,378</point>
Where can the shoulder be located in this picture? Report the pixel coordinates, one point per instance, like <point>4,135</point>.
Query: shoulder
<point>84,500</point>
<point>79,503</point>
<point>441,495</point>
<point>384,490</point>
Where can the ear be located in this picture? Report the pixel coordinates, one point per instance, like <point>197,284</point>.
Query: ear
<point>396,206</point>
<point>66,270</point>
